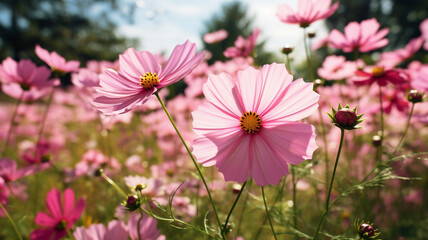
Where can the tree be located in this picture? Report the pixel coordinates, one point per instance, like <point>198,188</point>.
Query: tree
<point>77,29</point>
<point>233,18</point>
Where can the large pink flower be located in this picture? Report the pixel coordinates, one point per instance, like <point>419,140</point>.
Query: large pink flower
<point>250,126</point>
<point>363,37</point>
<point>392,59</point>
<point>243,47</point>
<point>140,75</point>
<point>62,215</point>
<point>25,80</point>
<point>57,62</point>
<point>307,12</point>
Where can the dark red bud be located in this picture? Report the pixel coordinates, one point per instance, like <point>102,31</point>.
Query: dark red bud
<point>345,117</point>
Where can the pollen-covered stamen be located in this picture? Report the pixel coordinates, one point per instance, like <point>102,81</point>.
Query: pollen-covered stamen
<point>378,71</point>
<point>149,80</point>
<point>251,122</point>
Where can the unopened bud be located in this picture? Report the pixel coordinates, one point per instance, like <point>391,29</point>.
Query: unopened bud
<point>415,96</point>
<point>311,34</point>
<point>287,49</point>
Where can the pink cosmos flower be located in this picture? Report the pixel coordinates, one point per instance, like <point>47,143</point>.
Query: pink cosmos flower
<point>392,59</point>
<point>249,126</point>
<point>424,30</point>
<point>307,12</point>
<point>337,68</point>
<point>62,215</point>
<point>379,75</point>
<point>421,81</point>
<point>10,172</point>
<point>148,228</point>
<point>25,79</point>
<point>140,76</point>
<point>363,37</point>
<point>243,47</point>
<point>115,230</point>
<point>216,36</point>
<point>56,62</point>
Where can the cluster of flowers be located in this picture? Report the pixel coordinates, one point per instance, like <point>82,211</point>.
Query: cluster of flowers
<point>249,122</point>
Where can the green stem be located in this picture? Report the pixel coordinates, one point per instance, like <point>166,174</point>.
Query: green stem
<point>267,213</point>
<point>12,123</point>
<point>288,63</point>
<point>324,138</point>
<point>45,115</point>
<point>381,124</point>
<point>400,144</point>
<point>308,58</point>
<point>327,203</point>
<point>241,216</point>
<point>11,221</point>
<point>118,189</point>
<point>233,207</point>
<point>356,54</point>
<point>293,173</point>
<point>194,162</point>
<point>69,234</point>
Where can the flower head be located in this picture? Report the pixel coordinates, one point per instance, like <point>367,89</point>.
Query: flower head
<point>243,47</point>
<point>345,118</point>
<point>62,215</point>
<point>25,80</point>
<point>379,75</point>
<point>363,37</point>
<point>307,12</point>
<point>250,126</point>
<point>337,68</point>
<point>366,231</point>
<point>140,75</point>
<point>57,62</point>
<point>217,36</point>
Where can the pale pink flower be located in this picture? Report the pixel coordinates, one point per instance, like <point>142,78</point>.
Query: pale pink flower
<point>115,230</point>
<point>140,76</point>
<point>25,80</point>
<point>421,81</point>
<point>147,227</point>
<point>319,43</point>
<point>250,126</point>
<point>243,47</point>
<point>56,62</point>
<point>363,36</point>
<point>62,215</point>
<point>10,172</point>
<point>307,12</point>
<point>392,59</point>
<point>216,36</point>
<point>337,68</point>
<point>424,30</point>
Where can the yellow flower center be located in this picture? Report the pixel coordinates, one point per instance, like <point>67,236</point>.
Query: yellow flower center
<point>378,71</point>
<point>149,80</point>
<point>251,122</point>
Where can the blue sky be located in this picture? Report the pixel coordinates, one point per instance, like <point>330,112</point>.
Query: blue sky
<point>162,24</point>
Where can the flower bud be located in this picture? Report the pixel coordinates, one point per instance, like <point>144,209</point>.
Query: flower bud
<point>132,203</point>
<point>366,229</point>
<point>345,118</point>
<point>140,187</point>
<point>376,140</point>
<point>98,172</point>
<point>311,34</point>
<point>287,49</point>
<point>415,96</point>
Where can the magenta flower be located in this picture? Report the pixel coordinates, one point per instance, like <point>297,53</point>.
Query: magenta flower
<point>115,230</point>
<point>140,76</point>
<point>243,47</point>
<point>56,62</point>
<point>216,36</point>
<point>250,126</point>
<point>60,217</point>
<point>363,37</point>
<point>25,80</point>
<point>307,12</point>
<point>379,75</point>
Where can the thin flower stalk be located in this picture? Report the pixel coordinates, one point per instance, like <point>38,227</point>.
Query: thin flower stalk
<point>382,127</point>
<point>327,203</point>
<point>400,144</point>
<point>308,57</point>
<point>233,207</point>
<point>194,162</point>
<point>18,234</point>
<point>267,213</point>
<point>12,123</point>
<point>294,180</point>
